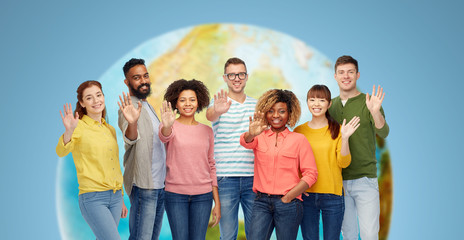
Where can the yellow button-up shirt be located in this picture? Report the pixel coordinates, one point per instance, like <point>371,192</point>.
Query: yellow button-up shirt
<point>95,153</point>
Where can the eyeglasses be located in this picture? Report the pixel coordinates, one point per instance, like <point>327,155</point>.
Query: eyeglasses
<point>232,76</point>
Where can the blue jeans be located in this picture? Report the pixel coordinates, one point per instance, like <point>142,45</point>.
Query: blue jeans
<point>188,215</point>
<point>332,208</point>
<point>232,192</point>
<point>146,213</point>
<point>102,210</point>
<point>361,204</point>
<point>270,212</point>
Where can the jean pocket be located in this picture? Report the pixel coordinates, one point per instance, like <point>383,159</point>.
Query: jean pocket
<point>220,179</point>
<point>372,182</point>
<point>88,196</point>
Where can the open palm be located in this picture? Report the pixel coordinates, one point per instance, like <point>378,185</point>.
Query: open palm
<point>131,114</point>
<point>347,129</point>
<point>374,102</point>
<point>221,105</point>
<point>69,120</point>
<point>167,115</point>
<point>257,124</point>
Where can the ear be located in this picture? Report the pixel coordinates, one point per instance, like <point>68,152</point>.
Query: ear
<point>224,78</point>
<point>126,82</point>
<point>82,105</point>
<point>330,104</point>
<point>357,76</point>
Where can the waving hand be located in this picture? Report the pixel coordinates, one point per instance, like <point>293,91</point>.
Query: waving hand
<point>221,105</point>
<point>131,114</point>
<point>374,102</point>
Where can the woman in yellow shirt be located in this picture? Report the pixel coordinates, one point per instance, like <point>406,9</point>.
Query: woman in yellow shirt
<point>92,142</point>
<point>330,146</point>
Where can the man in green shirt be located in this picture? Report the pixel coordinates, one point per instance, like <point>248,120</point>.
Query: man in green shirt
<point>360,178</point>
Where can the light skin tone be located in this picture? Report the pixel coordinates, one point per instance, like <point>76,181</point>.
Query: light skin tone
<point>94,102</point>
<point>136,76</point>
<point>236,91</point>
<point>277,118</point>
<point>346,76</point>
<point>318,107</point>
<point>187,105</point>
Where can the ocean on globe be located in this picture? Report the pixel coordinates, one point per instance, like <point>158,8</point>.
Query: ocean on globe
<point>273,59</point>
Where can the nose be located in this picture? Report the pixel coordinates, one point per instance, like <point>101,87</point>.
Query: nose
<point>275,114</point>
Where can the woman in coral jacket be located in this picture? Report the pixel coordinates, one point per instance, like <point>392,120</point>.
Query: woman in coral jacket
<point>284,166</point>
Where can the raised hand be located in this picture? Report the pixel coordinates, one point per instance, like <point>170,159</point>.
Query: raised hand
<point>257,124</point>
<point>69,121</point>
<point>167,115</point>
<point>347,129</point>
<point>374,102</point>
<point>221,105</point>
<point>131,114</point>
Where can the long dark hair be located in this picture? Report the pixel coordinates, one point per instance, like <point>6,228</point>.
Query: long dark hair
<point>80,92</point>
<point>322,91</point>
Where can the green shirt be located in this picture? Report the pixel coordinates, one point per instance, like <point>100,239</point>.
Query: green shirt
<point>362,142</point>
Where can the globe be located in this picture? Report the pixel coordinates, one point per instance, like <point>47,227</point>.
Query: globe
<point>274,60</point>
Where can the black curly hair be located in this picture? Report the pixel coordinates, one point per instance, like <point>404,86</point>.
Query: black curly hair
<point>173,91</point>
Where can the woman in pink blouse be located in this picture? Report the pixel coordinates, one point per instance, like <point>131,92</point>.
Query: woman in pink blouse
<point>284,166</point>
<point>191,182</point>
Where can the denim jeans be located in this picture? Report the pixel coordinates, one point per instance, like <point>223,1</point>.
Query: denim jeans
<point>361,203</point>
<point>232,192</point>
<point>188,215</point>
<point>146,213</point>
<point>102,210</point>
<point>332,208</point>
<point>270,212</point>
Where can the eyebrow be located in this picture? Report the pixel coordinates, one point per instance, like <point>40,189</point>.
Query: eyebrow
<point>91,94</point>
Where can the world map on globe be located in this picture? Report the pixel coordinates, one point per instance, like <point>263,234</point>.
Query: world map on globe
<point>273,59</point>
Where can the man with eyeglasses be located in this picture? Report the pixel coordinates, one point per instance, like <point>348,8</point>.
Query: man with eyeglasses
<point>229,113</point>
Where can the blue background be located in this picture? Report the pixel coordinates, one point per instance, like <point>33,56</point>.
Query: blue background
<point>412,48</point>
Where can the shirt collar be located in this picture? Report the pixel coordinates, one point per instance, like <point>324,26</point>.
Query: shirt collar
<point>284,133</point>
<point>89,120</point>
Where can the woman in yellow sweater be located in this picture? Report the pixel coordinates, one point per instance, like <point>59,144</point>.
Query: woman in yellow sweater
<point>92,142</point>
<point>329,142</point>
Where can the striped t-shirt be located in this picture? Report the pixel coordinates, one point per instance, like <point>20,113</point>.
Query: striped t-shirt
<point>231,158</point>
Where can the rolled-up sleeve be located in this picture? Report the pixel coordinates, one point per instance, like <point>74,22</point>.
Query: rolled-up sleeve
<point>250,145</point>
<point>123,124</point>
<point>64,149</point>
<point>342,161</point>
<point>385,130</point>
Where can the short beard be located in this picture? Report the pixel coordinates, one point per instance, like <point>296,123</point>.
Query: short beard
<point>138,93</point>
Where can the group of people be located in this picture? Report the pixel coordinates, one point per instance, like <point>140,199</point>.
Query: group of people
<point>283,180</point>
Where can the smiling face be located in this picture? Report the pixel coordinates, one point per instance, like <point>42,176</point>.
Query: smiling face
<point>93,101</point>
<point>277,117</point>
<point>237,85</point>
<point>318,106</point>
<point>187,103</point>
<point>138,81</point>
<point>346,76</point>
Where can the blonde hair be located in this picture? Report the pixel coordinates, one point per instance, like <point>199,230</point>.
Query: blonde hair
<point>271,97</point>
